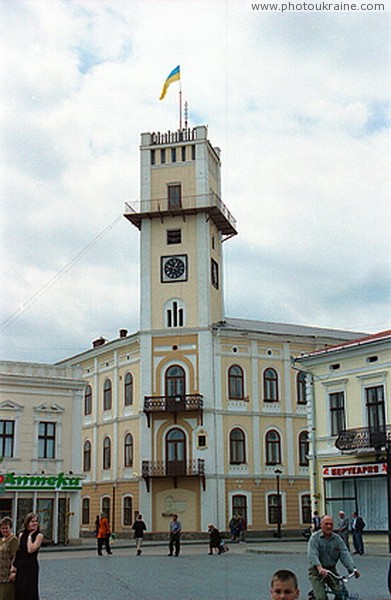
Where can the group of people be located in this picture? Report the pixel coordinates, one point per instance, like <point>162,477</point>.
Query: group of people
<point>237,528</point>
<point>19,568</point>
<point>356,526</point>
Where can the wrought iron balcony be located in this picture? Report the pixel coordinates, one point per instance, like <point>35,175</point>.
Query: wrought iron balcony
<point>364,437</point>
<point>173,404</point>
<point>159,469</point>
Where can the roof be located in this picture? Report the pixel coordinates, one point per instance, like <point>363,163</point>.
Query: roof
<point>351,344</point>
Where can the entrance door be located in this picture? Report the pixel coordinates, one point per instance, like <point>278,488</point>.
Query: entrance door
<point>176,452</point>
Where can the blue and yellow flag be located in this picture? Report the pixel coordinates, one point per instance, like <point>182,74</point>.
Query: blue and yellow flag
<point>175,75</point>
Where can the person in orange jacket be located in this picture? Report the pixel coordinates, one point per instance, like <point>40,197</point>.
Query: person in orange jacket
<point>104,533</point>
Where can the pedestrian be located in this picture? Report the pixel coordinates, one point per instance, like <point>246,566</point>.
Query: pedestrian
<point>26,560</point>
<point>315,521</point>
<point>8,548</point>
<point>358,525</point>
<point>234,528</point>
<point>325,548</point>
<point>175,536</point>
<point>96,527</point>
<point>104,533</point>
<point>139,527</point>
<point>215,541</point>
<point>343,527</point>
<point>242,528</point>
<point>284,585</point>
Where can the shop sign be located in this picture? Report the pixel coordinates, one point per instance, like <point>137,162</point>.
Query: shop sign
<point>60,482</point>
<point>355,470</point>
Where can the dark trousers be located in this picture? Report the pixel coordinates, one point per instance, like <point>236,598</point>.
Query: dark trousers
<point>106,542</point>
<point>357,542</point>
<point>175,540</point>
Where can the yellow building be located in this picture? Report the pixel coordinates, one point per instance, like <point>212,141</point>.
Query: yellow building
<point>196,413</point>
<point>349,400</point>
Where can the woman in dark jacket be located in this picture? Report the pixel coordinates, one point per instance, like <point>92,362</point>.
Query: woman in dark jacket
<point>215,541</point>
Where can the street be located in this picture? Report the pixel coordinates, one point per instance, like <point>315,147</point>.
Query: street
<point>240,574</point>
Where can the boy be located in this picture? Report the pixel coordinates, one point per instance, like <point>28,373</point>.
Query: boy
<point>284,586</point>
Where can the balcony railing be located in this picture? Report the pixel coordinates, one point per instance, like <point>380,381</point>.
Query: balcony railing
<point>173,404</point>
<point>192,204</point>
<point>364,437</point>
<point>159,469</point>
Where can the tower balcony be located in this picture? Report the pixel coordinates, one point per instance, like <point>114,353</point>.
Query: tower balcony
<point>158,469</point>
<point>364,437</point>
<point>210,204</point>
<point>173,404</point>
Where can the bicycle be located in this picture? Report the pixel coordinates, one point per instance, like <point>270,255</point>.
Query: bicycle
<point>342,594</point>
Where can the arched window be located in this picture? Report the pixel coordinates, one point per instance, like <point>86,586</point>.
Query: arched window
<point>107,395</point>
<point>176,452</point>
<point>237,447</point>
<point>87,456</point>
<point>106,506</point>
<point>239,505</point>
<point>270,386</point>
<point>88,400</point>
<point>306,509</point>
<point>128,450</point>
<point>175,313</point>
<point>85,511</point>
<point>175,381</point>
<point>300,386</point>
<point>235,383</point>
<point>273,509</point>
<point>127,507</point>
<point>128,389</point>
<point>107,453</point>
<point>304,449</point>
<point>273,448</point>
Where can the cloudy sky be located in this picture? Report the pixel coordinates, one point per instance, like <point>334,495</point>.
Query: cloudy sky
<point>298,102</point>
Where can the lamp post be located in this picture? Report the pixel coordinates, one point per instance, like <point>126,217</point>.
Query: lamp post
<point>277,473</point>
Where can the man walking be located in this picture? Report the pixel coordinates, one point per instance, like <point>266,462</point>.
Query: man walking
<point>358,525</point>
<point>343,527</point>
<point>175,536</point>
<point>139,527</point>
<point>325,548</point>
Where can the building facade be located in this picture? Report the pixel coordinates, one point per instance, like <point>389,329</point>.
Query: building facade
<point>40,432</point>
<point>196,414</point>
<point>348,392</point>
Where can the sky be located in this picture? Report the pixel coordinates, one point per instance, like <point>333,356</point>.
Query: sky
<point>298,101</point>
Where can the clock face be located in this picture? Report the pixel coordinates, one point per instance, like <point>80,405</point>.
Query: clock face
<point>174,268</point>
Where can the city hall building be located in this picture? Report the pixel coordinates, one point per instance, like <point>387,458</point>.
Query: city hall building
<point>196,413</point>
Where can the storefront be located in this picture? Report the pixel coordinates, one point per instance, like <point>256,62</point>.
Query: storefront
<point>358,487</point>
<point>55,498</point>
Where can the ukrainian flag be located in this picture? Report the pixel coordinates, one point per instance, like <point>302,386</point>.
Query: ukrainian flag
<point>175,75</point>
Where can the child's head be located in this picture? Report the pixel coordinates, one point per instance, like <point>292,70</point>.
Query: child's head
<point>284,585</point>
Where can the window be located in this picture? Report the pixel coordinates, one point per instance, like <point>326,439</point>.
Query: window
<point>176,452</point>
<point>175,381</point>
<point>235,383</point>
<point>306,508</point>
<point>374,397</point>
<point>337,412</point>
<point>304,449</point>
<point>237,449</point>
<point>163,156</point>
<point>127,510</point>
<point>128,450</point>
<point>173,155</point>
<point>128,389</point>
<point>273,509</point>
<point>174,236</point>
<point>183,153</point>
<point>107,453</point>
<point>270,386</point>
<point>174,196</point>
<point>7,435</point>
<point>87,456</point>
<point>88,400</point>
<point>273,448</point>
<point>239,505</point>
<point>46,439</point>
<point>106,506</point>
<point>107,395</point>
<point>201,440</point>
<point>85,511</point>
<point>153,157</point>
<point>193,152</point>
<point>300,386</point>
<point>175,314</point>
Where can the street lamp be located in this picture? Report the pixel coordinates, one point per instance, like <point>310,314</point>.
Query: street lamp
<point>277,473</point>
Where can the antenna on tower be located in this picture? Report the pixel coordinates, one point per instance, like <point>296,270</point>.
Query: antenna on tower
<point>186,113</point>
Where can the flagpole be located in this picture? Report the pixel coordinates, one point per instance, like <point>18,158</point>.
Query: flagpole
<point>180,106</point>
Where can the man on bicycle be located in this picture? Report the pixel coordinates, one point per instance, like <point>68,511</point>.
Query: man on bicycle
<point>325,549</point>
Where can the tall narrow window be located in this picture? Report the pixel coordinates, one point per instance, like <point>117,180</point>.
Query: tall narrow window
<point>183,153</point>
<point>85,511</point>
<point>46,439</point>
<point>175,452</point>
<point>107,395</point>
<point>88,400</point>
<point>374,397</point>
<point>127,510</point>
<point>173,155</point>
<point>7,436</point>
<point>273,508</point>
<point>128,389</point>
<point>106,506</point>
<point>306,508</point>
<point>87,456</point>
<point>273,448</point>
<point>163,156</point>
<point>128,450</point>
<point>300,387</point>
<point>270,386</point>
<point>304,449</point>
<point>174,196</point>
<point>175,314</point>
<point>235,383</point>
<point>237,447</point>
<point>175,381</point>
<point>153,157</point>
<point>193,152</point>
<point>239,505</point>
<point>107,453</point>
<point>337,412</point>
